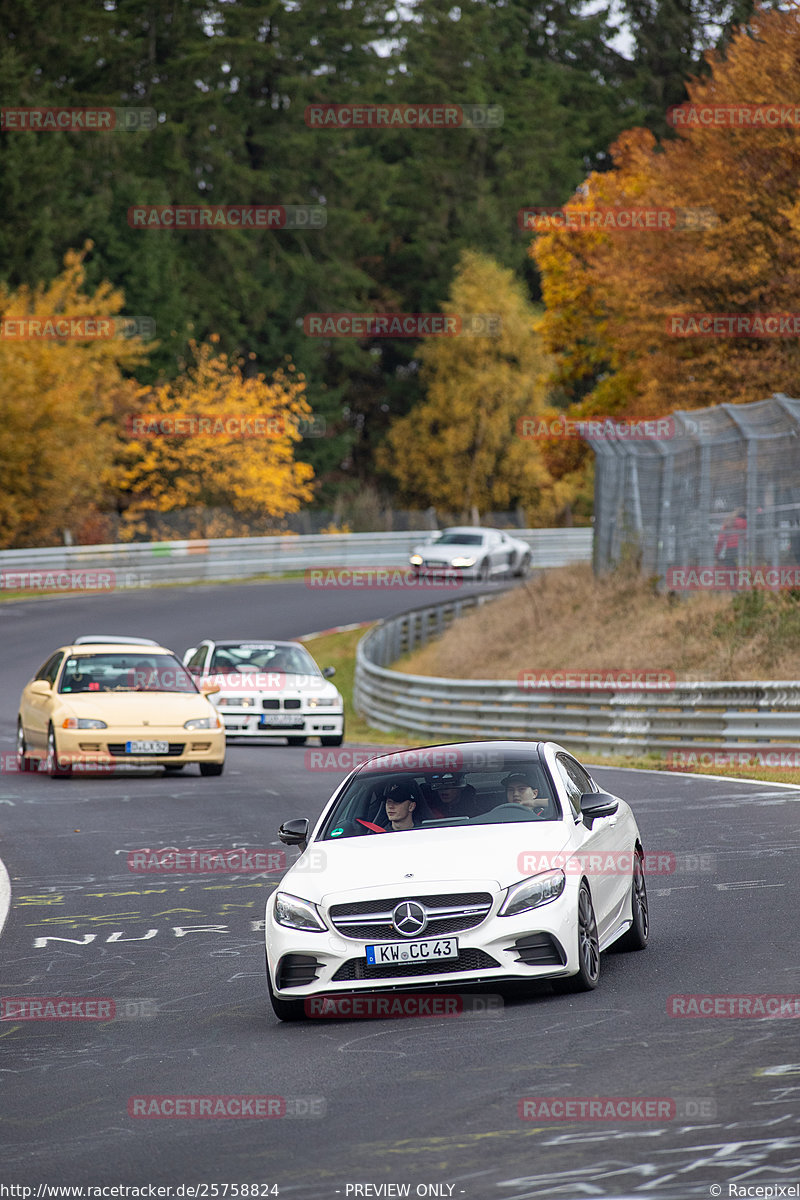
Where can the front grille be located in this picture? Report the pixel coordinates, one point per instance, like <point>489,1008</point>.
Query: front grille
<point>176,749</point>
<point>468,960</point>
<point>371,920</point>
<point>292,704</point>
<point>539,950</point>
<point>297,970</point>
<point>271,704</point>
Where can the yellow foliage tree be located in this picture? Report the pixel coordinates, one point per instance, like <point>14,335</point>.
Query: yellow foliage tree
<point>57,399</point>
<point>215,439</point>
<point>611,296</point>
<point>462,449</point>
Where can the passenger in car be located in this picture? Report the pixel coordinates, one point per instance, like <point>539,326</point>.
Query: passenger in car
<point>401,806</point>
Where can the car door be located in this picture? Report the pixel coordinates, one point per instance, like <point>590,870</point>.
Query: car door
<point>37,704</point>
<point>596,846</point>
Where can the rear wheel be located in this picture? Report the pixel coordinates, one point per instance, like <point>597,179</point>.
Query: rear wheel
<point>211,768</point>
<point>637,935</point>
<point>524,567</point>
<point>285,1010</point>
<point>52,766</point>
<point>24,763</point>
<point>483,572</point>
<point>588,974</point>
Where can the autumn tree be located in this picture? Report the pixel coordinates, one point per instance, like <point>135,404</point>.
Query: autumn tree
<point>462,449</point>
<point>62,355</point>
<point>214,438</point>
<point>612,294</point>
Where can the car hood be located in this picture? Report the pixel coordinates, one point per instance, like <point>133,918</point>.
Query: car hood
<point>136,708</point>
<point>380,864</point>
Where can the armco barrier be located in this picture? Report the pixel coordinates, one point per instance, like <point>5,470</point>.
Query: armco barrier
<point>139,564</point>
<point>690,716</point>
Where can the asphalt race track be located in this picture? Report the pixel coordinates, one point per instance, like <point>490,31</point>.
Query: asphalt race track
<point>428,1105</point>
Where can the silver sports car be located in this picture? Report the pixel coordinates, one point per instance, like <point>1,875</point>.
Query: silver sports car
<point>474,551</point>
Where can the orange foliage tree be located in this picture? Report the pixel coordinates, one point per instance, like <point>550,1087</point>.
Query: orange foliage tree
<point>213,439</point>
<point>611,294</point>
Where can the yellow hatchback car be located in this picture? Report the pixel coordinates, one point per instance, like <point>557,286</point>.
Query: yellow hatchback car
<point>106,702</point>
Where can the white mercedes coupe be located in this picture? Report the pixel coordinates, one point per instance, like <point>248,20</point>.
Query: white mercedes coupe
<point>473,863</point>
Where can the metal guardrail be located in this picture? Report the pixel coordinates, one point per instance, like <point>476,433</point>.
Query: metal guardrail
<point>140,564</point>
<point>689,716</point>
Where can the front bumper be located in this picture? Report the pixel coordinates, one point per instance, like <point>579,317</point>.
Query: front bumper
<point>252,722</point>
<point>106,747</point>
<point>540,944</point>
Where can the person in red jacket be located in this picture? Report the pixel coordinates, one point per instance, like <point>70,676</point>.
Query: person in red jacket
<point>727,547</point>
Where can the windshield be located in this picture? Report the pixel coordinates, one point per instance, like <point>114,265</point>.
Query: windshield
<point>390,801</point>
<point>125,672</point>
<point>460,539</point>
<point>244,658</point>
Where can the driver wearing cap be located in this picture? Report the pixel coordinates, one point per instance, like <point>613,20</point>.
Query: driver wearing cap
<point>521,789</point>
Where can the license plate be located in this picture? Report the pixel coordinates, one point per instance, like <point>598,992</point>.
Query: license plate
<point>282,720</point>
<point>389,954</point>
<point>147,747</point>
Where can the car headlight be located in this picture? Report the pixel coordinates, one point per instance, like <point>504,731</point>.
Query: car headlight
<point>533,893</point>
<point>202,723</point>
<point>82,723</point>
<point>297,913</point>
<point>463,562</point>
<point>322,701</point>
<point>416,560</point>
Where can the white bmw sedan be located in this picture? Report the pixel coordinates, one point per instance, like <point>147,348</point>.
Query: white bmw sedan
<point>501,861</point>
<point>470,550</point>
<point>269,690</point>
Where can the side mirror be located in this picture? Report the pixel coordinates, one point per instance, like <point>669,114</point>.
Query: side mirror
<point>210,689</point>
<point>40,687</point>
<point>597,804</point>
<point>294,833</point>
<point>329,672</point>
<point>189,654</point>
